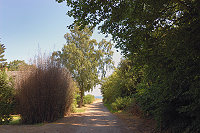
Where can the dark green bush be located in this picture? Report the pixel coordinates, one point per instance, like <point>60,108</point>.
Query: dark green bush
<point>7,101</point>
<point>44,93</point>
<point>174,101</point>
<point>121,103</point>
<point>77,99</point>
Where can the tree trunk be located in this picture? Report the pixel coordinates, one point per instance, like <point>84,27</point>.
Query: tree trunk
<point>81,101</point>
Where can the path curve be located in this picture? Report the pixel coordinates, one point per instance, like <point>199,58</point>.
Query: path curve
<point>96,119</point>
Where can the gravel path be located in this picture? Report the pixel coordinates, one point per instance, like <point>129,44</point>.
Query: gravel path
<point>96,119</point>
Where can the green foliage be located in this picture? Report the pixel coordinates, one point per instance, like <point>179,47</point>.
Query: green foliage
<point>16,65</point>
<point>173,105</point>
<point>131,23</point>
<point>45,93</point>
<point>110,89</point>
<point>7,98</point>
<point>121,103</point>
<point>16,120</point>
<point>75,98</point>
<point>118,88</point>
<point>162,38</point>
<point>122,82</point>
<point>80,110</point>
<point>2,60</point>
<point>85,58</point>
<point>108,106</point>
<point>74,106</point>
<point>88,99</point>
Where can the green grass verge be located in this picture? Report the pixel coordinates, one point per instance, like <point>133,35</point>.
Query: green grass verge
<point>80,110</point>
<point>15,120</point>
<point>108,106</point>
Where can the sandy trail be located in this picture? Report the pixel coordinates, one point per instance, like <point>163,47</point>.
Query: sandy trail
<point>96,119</point>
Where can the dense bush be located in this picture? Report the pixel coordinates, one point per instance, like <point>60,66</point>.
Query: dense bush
<point>75,95</point>
<point>121,103</point>
<point>44,93</point>
<point>121,83</point>
<point>111,88</point>
<point>88,99</point>
<point>73,106</point>
<point>173,102</point>
<point>7,101</point>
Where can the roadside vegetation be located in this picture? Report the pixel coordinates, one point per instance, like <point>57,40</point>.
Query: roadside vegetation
<point>158,77</point>
<point>16,120</point>
<point>44,93</point>
<point>85,58</point>
<point>119,89</point>
<point>41,92</point>
<point>87,99</point>
<point>7,98</point>
<point>7,93</point>
<point>161,41</point>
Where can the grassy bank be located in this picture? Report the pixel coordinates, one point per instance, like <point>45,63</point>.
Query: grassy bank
<point>15,120</point>
<point>108,106</point>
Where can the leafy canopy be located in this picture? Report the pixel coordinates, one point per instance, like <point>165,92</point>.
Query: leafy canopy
<point>85,58</point>
<point>131,22</point>
<point>2,60</point>
<point>7,98</point>
<point>164,37</point>
<point>16,65</point>
<point>122,83</point>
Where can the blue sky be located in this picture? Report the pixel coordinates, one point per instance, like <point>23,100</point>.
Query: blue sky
<point>29,25</point>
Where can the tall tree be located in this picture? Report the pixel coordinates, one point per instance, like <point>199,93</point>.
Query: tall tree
<point>85,58</point>
<point>131,22</point>
<point>2,60</point>
<point>163,36</point>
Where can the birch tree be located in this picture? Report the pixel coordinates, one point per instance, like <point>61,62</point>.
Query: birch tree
<point>85,58</point>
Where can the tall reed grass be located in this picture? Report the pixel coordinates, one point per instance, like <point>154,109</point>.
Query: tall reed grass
<point>44,92</point>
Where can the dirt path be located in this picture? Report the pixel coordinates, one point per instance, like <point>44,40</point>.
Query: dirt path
<point>96,119</point>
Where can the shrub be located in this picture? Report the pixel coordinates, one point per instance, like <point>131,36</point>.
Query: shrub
<point>175,111</point>
<point>121,103</point>
<point>77,99</point>
<point>88,99</point>
<point>135,109</point>
<point>6,98</point>
<point>73,106</point>
<point>44,93</point>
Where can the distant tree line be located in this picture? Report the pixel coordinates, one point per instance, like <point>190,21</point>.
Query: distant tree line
<point>15,65</point>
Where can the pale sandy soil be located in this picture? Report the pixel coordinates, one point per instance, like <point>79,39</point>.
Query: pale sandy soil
<point>96,119</point>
